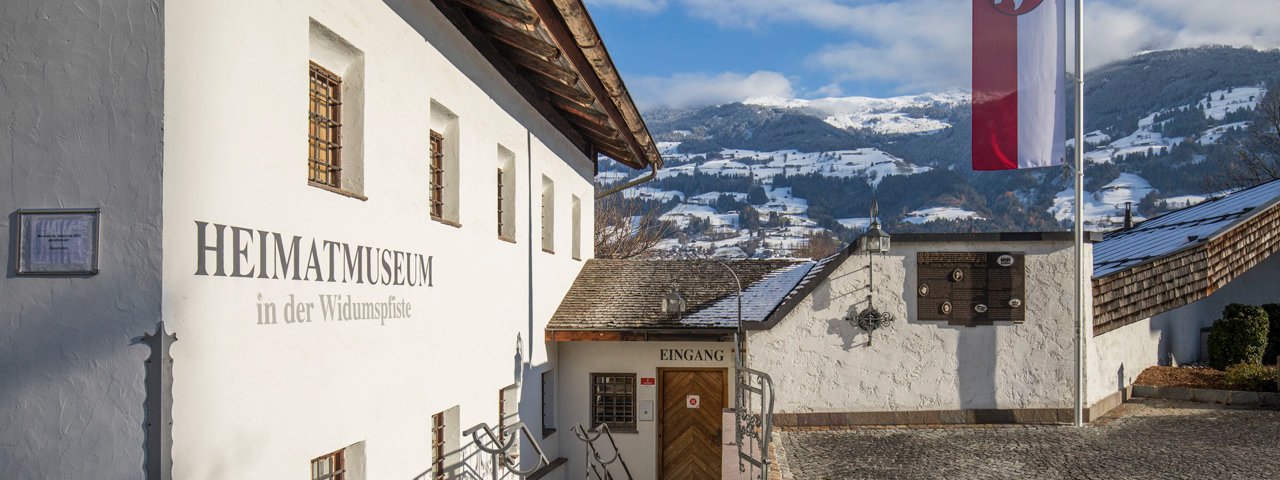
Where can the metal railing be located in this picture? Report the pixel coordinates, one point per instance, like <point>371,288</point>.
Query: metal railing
<point>502,444</point>
<point>753,420</point>
<point>596,466</point>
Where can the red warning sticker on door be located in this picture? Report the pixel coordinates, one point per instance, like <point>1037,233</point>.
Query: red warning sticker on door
<point>693,401</point>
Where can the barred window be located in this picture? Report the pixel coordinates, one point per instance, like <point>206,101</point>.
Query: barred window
<point>437,175</point>
<point>325,131</point>
<point>613,400</point>
<point>501,201</point>
<point>329,467</point>
<point>437,446</point>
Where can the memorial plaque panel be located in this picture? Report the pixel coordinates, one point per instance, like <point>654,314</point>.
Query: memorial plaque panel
<point>971,288</point>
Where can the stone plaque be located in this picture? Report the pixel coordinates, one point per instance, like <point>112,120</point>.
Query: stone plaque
<point>971,288</point>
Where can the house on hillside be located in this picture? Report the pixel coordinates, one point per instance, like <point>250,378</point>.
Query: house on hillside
<point>295,239</point>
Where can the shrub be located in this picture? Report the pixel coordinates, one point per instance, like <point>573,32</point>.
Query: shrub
<point>1273,338</point>
<point>1240,337</point>
<point>1251,377</point>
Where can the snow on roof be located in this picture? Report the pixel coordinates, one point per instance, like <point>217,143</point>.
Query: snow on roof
<point>1175,231</point>
<point>628,294</point>
<point>758,299</point>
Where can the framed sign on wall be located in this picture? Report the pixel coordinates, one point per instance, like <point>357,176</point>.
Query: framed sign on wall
<point>61,241</point>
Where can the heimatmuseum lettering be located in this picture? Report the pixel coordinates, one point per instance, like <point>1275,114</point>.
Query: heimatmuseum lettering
<point>270,255</point>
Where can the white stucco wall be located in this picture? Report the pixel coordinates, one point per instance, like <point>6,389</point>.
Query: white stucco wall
<point>821,363</point>
<point>1118,356</point>
<point>578,360</point>
<point>262,400</point>
<point>81,93</point>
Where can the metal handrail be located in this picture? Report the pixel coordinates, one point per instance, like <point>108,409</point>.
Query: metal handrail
<point>505,441</point>
<point>589,437</point>
<point>752,425</point>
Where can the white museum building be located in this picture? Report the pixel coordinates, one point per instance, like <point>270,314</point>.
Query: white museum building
<point>353,239</point>
<point>353,218</point>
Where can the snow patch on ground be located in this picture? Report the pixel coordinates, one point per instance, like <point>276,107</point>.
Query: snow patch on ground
<point>1104,209</point>
<point>1213,135</point>
<point>920,217</point>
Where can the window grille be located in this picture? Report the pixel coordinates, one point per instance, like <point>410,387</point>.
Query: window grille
<point>325,131</point>
<point>437,446</point>
<point>437,175</point>
<point>613,400</point>
<point>329,467</point>
<point>502,231</point>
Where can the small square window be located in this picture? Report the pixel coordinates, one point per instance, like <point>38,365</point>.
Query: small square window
<point>613,401</point>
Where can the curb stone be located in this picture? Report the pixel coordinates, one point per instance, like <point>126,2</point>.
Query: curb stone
<point>1204,395</point>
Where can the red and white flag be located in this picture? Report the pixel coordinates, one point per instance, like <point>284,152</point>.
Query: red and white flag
<point>1019,83</point>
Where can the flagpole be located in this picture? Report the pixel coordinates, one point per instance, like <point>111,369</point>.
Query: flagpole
<point>1079,211</point>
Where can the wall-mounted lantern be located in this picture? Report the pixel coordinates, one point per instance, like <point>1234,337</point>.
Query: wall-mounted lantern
<point>875,240</point>
<point>673,301</point>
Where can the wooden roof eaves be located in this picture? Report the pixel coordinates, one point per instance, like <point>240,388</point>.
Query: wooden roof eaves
<point>499,8</point>
<point>571,26</point>
<point>509,72</point>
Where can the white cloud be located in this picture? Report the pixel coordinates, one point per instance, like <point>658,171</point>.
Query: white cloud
<point>695,89</point>
<point>640,5</point>
<point>925,44</point>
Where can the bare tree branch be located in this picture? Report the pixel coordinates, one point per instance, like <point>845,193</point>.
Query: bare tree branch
<point>626,229</point>
<point>1260,155</point>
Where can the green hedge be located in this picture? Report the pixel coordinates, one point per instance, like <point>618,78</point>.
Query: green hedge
<point>1240,337</point>
<point>1273,338</point>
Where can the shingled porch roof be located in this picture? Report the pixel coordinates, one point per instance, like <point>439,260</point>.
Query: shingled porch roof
<point>615,296</point>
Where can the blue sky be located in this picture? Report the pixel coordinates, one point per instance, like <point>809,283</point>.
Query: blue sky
<point>697,52</point>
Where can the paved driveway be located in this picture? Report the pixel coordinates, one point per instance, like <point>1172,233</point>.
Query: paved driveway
<point>1151,439</point>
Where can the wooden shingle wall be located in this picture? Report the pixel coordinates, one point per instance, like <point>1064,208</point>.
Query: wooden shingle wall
<point>1149,289</point>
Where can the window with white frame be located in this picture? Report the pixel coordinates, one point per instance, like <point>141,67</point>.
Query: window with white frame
<point>576,231</point>
<point>548,403</point>
<point>331,466</point>
<point>506,190</point>
<point>442,166</point>
<point>335,125</point>
<point>548,215</point>
<point>446,452</point>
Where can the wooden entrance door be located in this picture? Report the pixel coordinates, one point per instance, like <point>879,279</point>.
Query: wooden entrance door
<point>693,403</point>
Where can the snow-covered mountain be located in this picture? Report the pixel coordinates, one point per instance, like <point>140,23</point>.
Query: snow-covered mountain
<point>880,115</point>
<point>771,176</point>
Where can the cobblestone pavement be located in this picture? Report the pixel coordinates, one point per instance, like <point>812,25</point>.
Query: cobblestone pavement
<point>1153,439</point>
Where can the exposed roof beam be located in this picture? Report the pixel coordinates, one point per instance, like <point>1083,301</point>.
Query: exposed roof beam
<point>567,92</point>
<point>521,39</point>
<point>560,32</point>
<point>542,66</point>
<point>511,74</point>
<point>499,8</point>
